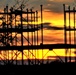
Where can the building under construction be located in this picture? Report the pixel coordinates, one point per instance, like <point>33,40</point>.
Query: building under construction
<point>20,32</point>
<point>22,35</point>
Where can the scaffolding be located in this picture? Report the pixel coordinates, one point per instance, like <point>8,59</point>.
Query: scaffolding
<point>19,30</point>
<point>22,35</point>
<point>69,31</point>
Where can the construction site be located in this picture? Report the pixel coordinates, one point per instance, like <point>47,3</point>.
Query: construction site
<point>19,35</point>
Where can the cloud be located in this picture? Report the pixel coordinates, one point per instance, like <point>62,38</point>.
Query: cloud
<point>52,5</point>
<point>56,6</point>
<point>48,26</point>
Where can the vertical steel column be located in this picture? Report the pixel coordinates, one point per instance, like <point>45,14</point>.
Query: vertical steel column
<point>7,33</point>
<point>69,34</point>
<point>74,33</point>
<point>4,34</point>
<point>34,38</point>
<point>65,34</point>
<point>42,30</point>
<point>22,35</point>
<point>37,36</point>
<point>11,38</point>
<point>32,32</point>
<point>15,38</point>
<point>28,38</point>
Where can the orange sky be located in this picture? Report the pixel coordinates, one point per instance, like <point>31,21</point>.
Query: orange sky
<point>54,18</point>
<point>53,14</point>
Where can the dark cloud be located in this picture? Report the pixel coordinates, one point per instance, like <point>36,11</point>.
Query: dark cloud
<point>51,5</point>
<point>56,6</point>
<point>48,26</point>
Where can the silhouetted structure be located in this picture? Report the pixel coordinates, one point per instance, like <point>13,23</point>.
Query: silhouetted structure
<point>70,30</point>
<point>20,31</point>
<point>16,26</point>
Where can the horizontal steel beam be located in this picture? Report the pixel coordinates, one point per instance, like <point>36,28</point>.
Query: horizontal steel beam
<point>70,29</point>
<point>44,46</point>
<point>17,12</point>
<point>71,11</point>
<point>18,30</point>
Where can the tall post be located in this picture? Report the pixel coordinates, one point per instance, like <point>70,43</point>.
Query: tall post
<point>42,30</point>
<point>74,34</point>
<point>32,33</point>
<point>34,38</point>
<point>28,38</point>
<point>37,36</point>
<point>11,18</point>
<point>7,32</point>
<point>69,36</point>
<point>65,35</point>
<point>21,34</point>
<point>4,21</point>
<point>15,39</point>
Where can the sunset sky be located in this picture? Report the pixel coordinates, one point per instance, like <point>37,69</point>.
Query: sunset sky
<point>53,18</point>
